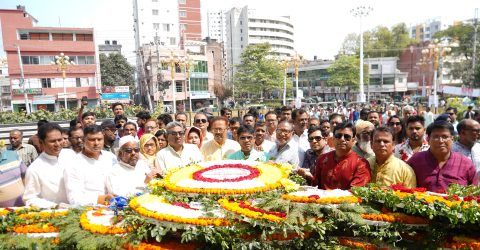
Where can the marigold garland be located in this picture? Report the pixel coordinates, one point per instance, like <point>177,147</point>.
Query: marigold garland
<point>43,214</point>
<point>35,228</point>
<point>461,242</point>
<point>137,207</point>
<point>396,217</point>
<point>245,208</point>
<point>326,200</point>
<point>100,229</point>
<point>358,245</point>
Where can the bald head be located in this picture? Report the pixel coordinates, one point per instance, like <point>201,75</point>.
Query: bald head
<point>468,132</point>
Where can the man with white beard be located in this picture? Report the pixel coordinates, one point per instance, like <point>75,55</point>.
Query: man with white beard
<point>364,131</point>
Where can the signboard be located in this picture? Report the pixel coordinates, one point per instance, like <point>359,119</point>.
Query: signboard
<point>200,95</point>
<point>117,100</point>
<point>119,96</point>
<point>115,89</point>
<point>68,95</point>
<point>30,91</point>
<point>198,75</point>
<point>44,99</point>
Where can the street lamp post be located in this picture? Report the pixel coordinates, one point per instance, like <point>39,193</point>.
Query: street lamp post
<point>360,12</point>
<point>423,63</point>
<point>285,63</point>
<point>435,51</point>
<point>172,60</point>
<point>296,62</point>
<point>62,61</point>
<point>187,63</point>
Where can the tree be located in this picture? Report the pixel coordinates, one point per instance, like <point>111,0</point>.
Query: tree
<point>345,71</point>
<point>378,42</point>
<point>258,72</point>
<point>116,71</point>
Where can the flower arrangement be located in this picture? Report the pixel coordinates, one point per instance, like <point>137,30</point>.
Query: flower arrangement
<point>35,228</point>
<point>396,217</point>
<point>171,245</point>
<point>99,228</point>
<point>319,200</point>
<point>245,208</point>
<point>44,214</point>
<point>358,244</point>
<point>253,173</point>
<point>461,242</point>
<point>138,203</point>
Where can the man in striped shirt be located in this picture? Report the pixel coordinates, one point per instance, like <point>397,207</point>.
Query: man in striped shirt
<point>12,172</point>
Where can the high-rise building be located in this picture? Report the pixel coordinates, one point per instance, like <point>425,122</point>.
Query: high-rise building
<point>190,19</point>
<point>217,25</point>
<point>424,31</point>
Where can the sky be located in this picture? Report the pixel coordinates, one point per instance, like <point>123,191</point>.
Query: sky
<point>320,26</point>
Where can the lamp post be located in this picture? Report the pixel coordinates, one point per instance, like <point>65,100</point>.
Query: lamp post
<point>285,63</point>
<point>360,12</point>
<point>188,63</point>
<point>435,51</point>
<point>296,61</point>
<point>62,61</point>
<point>172,60</point>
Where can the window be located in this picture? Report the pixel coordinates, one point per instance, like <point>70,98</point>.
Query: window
<point>200,66</point>
<point>173,41</point>
<point>156,26</point>
<point>182,1</point>
<point>46,82</point>
<point>182,13</point>
<point>179,86</point>
<point>81,60</point>
<point>241,30</point>
<point>78,82</point>
<point>178,69</point>
<point>166,27</point>
<point>241,22</point>
<point>90,60</point>
<point>241,38</point>
<point>23,36</point>
<point>155,12</point>
<point>199,84</point>
<point>62,36</point>
<point>374,66</point>
<point>39,36</point>
<point>183,27</point>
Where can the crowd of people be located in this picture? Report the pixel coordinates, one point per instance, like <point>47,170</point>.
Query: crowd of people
<point>90,164</point>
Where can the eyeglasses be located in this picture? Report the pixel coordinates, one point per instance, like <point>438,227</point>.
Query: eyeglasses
<point>441,137</point>
<point>283,131</point>
<point>130,150</point>
<point>315,138</point>
<point>347,137</point>
<point>218,130</point>
<point>245,138</point>
<point>394,123</point>
<point>200,120</point>
<point>176,133</point>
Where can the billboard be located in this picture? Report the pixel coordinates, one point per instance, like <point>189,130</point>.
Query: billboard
<point>115,89</point>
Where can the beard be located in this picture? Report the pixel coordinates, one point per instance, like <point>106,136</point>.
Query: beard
<point>366,147</point>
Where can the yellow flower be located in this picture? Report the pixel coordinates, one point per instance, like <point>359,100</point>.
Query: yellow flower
<point>289,185</point>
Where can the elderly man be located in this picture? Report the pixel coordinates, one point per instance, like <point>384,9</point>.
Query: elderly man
<point>26,152</point>
<point>247,151</point>
<point>271,121</point>
<point>85,176</point>
<point>388,169</point>
<point>130,175</point>
<point>201,121</point>
<point>260,143</point>
<point>177,153</point>
<point>318,146</point>
<point>286,149</point>
<point>75,136</point>
<point>468,135</point>
<point>341,168</point>
<point>416,141</point>
<point>44,183</point>
<point>151,127</point>
<point>363,146</point>
<point>300,127</point>
<point>220,147</point>
<point>407,112</point>
<point>439,167</point>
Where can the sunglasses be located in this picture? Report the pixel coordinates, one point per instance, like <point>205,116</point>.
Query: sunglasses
<point>130,150</point>
<point>347,137</point>
<point>394,123</point>
<point>174,133</point>
<point>315,138</point>
<point>201,121</point>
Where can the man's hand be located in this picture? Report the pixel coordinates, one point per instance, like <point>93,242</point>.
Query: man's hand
<point>154,173</point>
<point>305,173</point>
<point>104,199</point>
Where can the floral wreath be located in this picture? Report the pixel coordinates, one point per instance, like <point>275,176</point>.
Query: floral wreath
<point>245,208</point>
<point>88,225</point>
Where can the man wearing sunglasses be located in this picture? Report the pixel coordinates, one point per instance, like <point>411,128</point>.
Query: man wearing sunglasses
<point>201,121</point>
<point>246,140</point>
<point>318,146</point>
<point>130,175</point>
<point>86,175</point>
<point>177,153</point>
<point>341,168</point>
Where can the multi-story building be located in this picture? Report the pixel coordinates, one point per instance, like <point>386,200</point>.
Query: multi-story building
<point>424,31</point>
<point>190,19</point>
<point>216,20</point>
<point>37,48</point>
<point>110,48</point>
<point>5,91</point>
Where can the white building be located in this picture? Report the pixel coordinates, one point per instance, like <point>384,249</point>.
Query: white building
<point>217,25</point>
<point>156,21</point>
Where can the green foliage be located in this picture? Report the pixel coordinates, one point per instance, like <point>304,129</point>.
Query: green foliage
<point>379,42</point>
<point>116,71</point>
<point>258,72</point>
<point>345,72</point>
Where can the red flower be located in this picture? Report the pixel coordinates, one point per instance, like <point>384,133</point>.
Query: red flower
<point>254,173</point>
<point>243,205</point>
<point>314,196</point>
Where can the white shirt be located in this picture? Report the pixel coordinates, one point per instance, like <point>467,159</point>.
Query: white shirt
<point>302,140</point>
<point>126,180</point>
<point>169,158</point>
<point>44,183</point>
<point>85,178</point>
<point>288,154</point>
<point>208,137</point>
<point>267,145</point>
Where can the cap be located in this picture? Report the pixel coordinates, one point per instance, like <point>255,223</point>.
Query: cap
<point>126,139</point>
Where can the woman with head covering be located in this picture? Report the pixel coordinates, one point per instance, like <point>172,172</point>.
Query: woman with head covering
<point>148,150</point>
<point>161,135</point>
<point>194,136</point>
